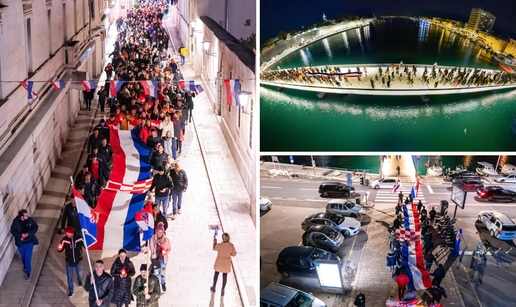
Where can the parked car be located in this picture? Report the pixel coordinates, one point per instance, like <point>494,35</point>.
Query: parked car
<point>325,237</point>
<point>334,188</point>
<point>385,183</point>
<point>344,207</point>
<point>300,260</point>
<point>499,225</point>
<point>277,295</point>
<point>494,193</point>
<point>470,184</point>
<point>265,204</point>
<point>464,175</point>
<point>348,226</point>
<point>505,178</point>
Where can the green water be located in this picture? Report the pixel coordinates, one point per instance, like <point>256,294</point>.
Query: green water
<point>294,120</point>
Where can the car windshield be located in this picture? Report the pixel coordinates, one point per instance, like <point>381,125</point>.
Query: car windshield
<point>300,300</point>
<point>319,254</point>
<point>331,233</point>
<point>337,219</point>
<point>509,228</point>
<point>350,204</point>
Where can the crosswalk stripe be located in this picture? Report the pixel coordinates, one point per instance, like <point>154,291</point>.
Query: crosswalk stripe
<point>390,201</point>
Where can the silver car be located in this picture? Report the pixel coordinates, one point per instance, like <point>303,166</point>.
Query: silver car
<point>347,226</point>
<point>344,207</point>
<point>505,178</point>
<point>277,295</point>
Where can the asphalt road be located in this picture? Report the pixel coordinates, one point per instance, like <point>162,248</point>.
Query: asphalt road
<point>294,199</point>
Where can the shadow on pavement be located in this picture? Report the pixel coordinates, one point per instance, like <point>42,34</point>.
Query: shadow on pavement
<point>497,247</point>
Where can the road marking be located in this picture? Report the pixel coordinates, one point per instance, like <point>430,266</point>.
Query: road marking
<point>490,204</point>
<point>390,200</point>
<point>302,189</point>
<point>319,200</point>
<point>472,287</point>
<point>268,187</point>
<point>355,239</point>
<point>290,198</point>
<point>430,189</point>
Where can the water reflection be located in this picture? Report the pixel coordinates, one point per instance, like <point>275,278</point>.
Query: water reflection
<point>334,107</point>
<point>327,48</point>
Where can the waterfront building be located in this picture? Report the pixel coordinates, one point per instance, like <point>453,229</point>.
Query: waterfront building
<point>480,20</point>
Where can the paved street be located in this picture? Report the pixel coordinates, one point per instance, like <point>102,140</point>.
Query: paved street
<point>294,199</point>
<point>206,202</point>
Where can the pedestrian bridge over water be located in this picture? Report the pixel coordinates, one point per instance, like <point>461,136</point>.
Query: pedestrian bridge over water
<point>397,87</point>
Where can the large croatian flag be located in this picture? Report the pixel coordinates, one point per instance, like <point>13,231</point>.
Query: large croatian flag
<point>117,227</point>
<point>411,253</point>
<point>232,89</point>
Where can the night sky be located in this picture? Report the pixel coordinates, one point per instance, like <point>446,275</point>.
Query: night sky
<point>293,14</point>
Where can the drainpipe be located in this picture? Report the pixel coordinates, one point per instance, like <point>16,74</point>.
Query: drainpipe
<point>226,28</point>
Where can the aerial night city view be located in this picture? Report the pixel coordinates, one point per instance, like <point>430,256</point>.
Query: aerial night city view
<point>388,230</point>
<point>382,75</point>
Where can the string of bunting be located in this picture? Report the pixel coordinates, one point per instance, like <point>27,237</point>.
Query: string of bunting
<point>150,87</point>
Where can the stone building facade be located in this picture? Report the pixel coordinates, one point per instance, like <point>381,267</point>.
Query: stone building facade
<point>40,40</point>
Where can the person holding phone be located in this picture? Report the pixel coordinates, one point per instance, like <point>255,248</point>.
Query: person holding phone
<point>225,250</point>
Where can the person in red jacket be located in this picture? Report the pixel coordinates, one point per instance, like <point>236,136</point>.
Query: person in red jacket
<point>146,131</point>
<point>402,282</point>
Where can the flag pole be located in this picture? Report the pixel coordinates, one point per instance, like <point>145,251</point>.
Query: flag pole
<point>89,262</point>
<point>86,246</point>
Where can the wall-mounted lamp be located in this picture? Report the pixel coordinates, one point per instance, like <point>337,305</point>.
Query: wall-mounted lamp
<point>244,100</point>
<point>206,47</point>
<point>193,23</point>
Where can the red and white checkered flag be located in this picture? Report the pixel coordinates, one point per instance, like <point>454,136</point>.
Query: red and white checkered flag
<point>135,188</point>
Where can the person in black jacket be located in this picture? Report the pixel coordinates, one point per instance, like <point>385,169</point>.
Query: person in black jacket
<point>106,150</point>
<point>180,181</point>
<point>122,270</point>
<point>103,129</point>
<point>71,216</point>
<point>158,217</point>
<point>88,97</point>
<point>360,300</point>
<point>437,293</point>
<point>189,105</point>
<point>158,158</point>
<point>72,245</point>
<point>103,283</point>
<point>81,175</point>
<point>162,183</point>
<point>94,139</point>
<point>24,230</point>
<point>152,139</point>
<point>102,98</point>
<point>99,169</point>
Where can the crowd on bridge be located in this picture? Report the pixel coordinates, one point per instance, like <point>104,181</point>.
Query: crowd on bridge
<point>141,54</point>
<point>386,76</point>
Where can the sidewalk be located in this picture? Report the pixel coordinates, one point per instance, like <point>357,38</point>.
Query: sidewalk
<point>231,198</point>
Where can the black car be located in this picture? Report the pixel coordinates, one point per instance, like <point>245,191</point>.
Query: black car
<point>469,184</point>
<point>494,193</point>
<point>464,175</point>
<point>338,189</point>
<point>300,260</point>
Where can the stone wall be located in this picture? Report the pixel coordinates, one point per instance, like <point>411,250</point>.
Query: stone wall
<point>33,132</point>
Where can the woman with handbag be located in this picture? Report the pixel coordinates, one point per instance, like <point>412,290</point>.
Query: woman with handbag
<point>160,247</point>
<point>225,250</point>
<point>122,270</point>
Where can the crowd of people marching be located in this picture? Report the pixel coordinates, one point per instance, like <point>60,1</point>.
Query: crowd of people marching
<point>140,54</point>
<point>431,77</point>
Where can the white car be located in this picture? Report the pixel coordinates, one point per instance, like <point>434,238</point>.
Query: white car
<point>265,204</point>
<point>385,183</point>
<point>499,225</point>
<point>348,226</point>
<point>505,178</point>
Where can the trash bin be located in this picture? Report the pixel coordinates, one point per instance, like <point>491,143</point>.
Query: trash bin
<point>357,201</point>
<point>444,207</point>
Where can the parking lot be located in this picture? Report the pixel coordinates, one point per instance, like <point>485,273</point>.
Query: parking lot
<point>295,199</point>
